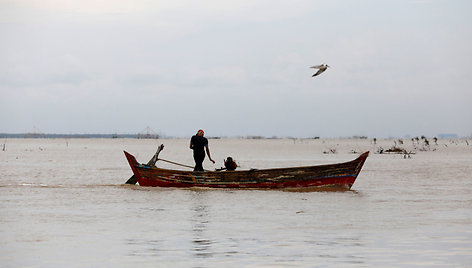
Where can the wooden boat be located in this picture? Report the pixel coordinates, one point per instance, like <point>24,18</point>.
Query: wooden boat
<point>341,175</point>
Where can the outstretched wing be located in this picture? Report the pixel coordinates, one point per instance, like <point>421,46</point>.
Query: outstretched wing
<point>316,66</point>
<point>319,72</point>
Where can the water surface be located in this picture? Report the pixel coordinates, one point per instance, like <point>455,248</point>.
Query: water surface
<point>64,204</point>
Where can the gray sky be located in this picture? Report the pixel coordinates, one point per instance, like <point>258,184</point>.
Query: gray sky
<point>399,67</point>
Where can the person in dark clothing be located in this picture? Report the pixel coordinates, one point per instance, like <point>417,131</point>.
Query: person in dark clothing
<point>230,164</point>
<point>199,145</point>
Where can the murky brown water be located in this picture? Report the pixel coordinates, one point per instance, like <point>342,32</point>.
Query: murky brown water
<point>63,204</point>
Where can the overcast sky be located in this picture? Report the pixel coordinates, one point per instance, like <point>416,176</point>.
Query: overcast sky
<point>398,67</point>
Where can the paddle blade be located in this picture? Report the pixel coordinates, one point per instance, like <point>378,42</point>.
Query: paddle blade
<point>132,180</point>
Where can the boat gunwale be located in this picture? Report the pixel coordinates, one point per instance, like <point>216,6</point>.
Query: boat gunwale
<point>361,157</point>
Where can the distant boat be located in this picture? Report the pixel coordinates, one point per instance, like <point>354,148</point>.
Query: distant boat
<point>341,175</point>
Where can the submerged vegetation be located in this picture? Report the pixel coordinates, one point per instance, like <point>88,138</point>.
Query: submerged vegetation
<point>418,144</point>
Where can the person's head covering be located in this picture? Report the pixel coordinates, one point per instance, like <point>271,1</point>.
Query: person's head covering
<point>200,131</point>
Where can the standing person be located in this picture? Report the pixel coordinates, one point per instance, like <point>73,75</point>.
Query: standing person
<point>199,144</point>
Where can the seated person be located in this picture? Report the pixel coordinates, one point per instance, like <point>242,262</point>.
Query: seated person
<point>230,164</point>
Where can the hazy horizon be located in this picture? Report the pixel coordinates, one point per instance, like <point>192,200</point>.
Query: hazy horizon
<point>161,135</point>
<point>237,68</point>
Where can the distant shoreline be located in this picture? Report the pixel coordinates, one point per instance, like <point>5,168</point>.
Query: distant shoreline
<point>72,136</point>
<point>140,136</point>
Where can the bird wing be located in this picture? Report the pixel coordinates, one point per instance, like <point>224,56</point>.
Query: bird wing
<point>316,66</point>
<point>319,71</point>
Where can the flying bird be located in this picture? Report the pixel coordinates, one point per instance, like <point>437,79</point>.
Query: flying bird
<point>321,68</point>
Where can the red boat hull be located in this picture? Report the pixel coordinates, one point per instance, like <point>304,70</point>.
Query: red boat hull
<point>341,175</point>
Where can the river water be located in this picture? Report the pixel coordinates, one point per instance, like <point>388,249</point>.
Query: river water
<point>63,203</point>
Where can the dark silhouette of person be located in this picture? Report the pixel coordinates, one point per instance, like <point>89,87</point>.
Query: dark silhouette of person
<point>199,145</point>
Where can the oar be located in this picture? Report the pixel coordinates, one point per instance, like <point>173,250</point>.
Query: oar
<point>132,180</point>
<point>182,165</point>
<point>151,163</point>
